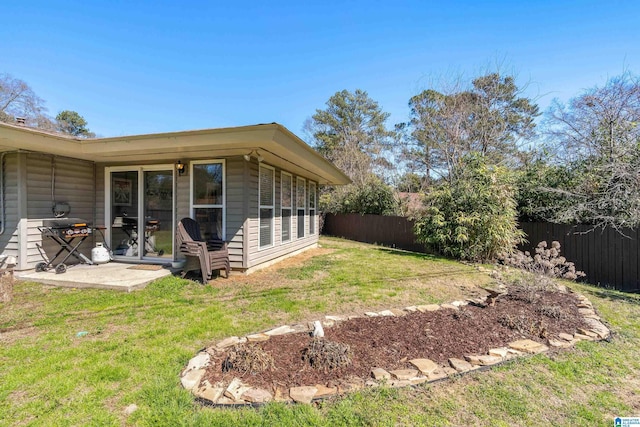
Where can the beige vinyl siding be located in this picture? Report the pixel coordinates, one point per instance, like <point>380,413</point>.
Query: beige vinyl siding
<point>9,240</point>
<point>251,192</point>
<point>235,193</point>
<point>74,184</point>
<point>257,256</point>
<point>100,189</point>
<point>182,197</point>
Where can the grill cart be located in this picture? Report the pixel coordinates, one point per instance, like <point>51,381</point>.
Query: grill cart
<point>69,234</point>
<point>129,225</point>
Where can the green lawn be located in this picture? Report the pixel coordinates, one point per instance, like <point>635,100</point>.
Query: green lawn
<point>137,344</point>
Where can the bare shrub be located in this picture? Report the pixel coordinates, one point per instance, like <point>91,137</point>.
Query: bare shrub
<point>462,313</point>
<point>525,293</point>
<point>524,325</point>
<point>546,261</point>
<point>526,287</point>
<point>327,355</point>
<point>248,359</point>
<point>552,311</point>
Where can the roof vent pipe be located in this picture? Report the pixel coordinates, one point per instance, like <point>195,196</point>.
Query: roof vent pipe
<point>21,121</point>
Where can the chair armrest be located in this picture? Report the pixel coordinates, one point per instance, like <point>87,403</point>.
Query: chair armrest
<point>193,248</point>
<point>216,245</point>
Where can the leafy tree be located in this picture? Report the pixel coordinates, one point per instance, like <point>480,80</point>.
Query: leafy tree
<point>474,216</point>
<point>539,184</point>
<point>410,183</point>
<point>72,123</point>
<point>17,99</point>
<point>351,132</point>
<point>598,135</point>
<point>489,118</point>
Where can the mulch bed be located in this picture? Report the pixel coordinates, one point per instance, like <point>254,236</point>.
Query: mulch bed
<point>389,342</point>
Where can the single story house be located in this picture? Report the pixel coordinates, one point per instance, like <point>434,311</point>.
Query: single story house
<point>254,186</point>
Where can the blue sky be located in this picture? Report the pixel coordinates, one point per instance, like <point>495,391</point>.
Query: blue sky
<point>153,66</point>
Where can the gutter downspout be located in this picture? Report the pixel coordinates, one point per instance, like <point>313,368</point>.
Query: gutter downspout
<point>3,213</point>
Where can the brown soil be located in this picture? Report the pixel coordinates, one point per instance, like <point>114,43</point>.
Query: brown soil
<point>389,342</point>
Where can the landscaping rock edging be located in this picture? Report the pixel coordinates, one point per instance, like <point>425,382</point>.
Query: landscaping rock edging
<point>237,393</point>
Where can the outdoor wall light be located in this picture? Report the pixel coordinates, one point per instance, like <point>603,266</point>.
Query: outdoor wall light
<point>255,154</point>
<point>180,167</point>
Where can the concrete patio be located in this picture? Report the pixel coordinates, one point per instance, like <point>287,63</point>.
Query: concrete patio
<point>113,275</point>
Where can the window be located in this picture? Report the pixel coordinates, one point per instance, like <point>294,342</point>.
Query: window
<point>266,192</point>
<point>286,199</point>
<point>312,208</point>
<point>301,205</point>
<point>208,198</point>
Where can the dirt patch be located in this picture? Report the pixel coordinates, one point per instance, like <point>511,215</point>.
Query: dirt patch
<point>271,277</point>
<point>291,262</point>
<point>6,287</point>
<point>9,336</point>
<point>389,342</point>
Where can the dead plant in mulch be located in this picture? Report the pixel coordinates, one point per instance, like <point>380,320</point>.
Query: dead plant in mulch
<point>526,287</point>
<point>248,359</point>
<point>552,311</point>
<point>524,325</point>
<point>327,355</point>
<point>463,314</point>
<point>526,294</point>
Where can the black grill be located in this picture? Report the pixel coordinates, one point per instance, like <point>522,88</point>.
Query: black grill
<point>67,228</point>
<point>63,231</point>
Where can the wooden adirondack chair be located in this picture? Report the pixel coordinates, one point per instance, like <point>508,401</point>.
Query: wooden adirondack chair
<point>205,256</point>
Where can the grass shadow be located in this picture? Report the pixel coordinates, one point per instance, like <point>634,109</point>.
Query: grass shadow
<point>405,253</point>
<point>613,295</point>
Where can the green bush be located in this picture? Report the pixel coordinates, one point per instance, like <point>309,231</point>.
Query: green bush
<point>473,216</point>
<point>372,197</point>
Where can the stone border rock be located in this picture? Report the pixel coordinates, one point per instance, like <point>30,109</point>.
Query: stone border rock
<point>236,393</point>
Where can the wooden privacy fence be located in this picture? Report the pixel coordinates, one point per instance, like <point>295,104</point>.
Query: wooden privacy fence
<point>392,231</point>
<point>607,257</point>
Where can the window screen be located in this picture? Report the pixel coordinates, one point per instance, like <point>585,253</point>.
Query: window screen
<point>312,207</point>
<point>301,200</point>
<point>286,195</point>
<point>266,190</point>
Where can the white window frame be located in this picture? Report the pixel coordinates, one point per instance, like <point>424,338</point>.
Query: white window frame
<point>304,208</point>
<point>193,207</point>
<point>285,175</point>
<point>272,206</point>
<point>312,212</point>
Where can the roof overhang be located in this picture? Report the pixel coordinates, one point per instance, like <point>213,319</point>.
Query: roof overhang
<point>275,143</point>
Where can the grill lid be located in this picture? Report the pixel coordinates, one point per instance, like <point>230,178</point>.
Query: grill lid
<point>64,222</point>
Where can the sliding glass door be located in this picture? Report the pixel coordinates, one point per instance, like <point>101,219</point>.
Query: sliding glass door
<point>158,213</point>
<point>141,212</point>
